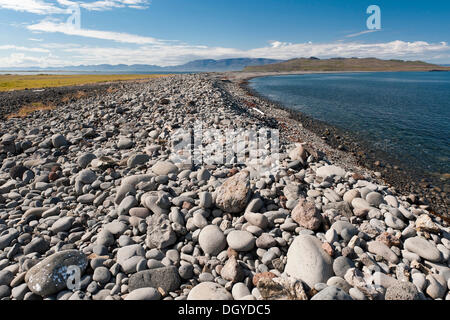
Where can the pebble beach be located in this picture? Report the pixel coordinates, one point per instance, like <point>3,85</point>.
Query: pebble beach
<point>94,206</point>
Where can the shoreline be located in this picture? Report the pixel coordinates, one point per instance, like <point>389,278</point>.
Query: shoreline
<point>405,179</point>
<point>395,172</point>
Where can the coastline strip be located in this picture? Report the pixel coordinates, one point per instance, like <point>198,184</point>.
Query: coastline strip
<point>409,181</point>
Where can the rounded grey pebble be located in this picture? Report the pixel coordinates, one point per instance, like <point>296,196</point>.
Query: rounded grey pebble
<point>5,291</point>
<point>341,265</point>
<point>186,271</point>
<point>6,277</point>
<point>239,291</point>
<point>205,277</point>
<point>92,287</point>
<point>320,286</point>
<point>154,264</point>
<point>154,254</point>
<point>212,240</point>
<point>144,294</point>
<point>332,293</point>
<point>101,275</point>
<point>241,240</point>
<point>357,294</point>
<point>100,250</point>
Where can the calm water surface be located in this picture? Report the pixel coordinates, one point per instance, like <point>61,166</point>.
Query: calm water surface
<point>404,113</point>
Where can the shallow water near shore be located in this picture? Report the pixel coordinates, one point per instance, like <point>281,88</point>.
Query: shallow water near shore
<point>406,114</point>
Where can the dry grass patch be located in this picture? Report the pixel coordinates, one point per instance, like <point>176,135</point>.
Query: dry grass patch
<point>112,90</point>
<point>28,109</point>
<point>80,94</point>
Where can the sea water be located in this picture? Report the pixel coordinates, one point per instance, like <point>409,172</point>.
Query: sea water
<point>406,114</point>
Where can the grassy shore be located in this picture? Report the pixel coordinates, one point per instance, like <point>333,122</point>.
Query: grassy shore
<point>346,64</point>
<point>21,82</point>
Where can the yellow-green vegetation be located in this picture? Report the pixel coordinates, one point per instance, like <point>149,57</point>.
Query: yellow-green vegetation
<point>21,82</point>
<point>345,64</point>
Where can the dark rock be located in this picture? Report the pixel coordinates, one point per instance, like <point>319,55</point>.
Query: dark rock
<point>51,274</point>
<point>17,172</point>
<point>38,245</point>
<point>166,278</point>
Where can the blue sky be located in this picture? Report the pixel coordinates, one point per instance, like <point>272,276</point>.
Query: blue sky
<point>170,32</point>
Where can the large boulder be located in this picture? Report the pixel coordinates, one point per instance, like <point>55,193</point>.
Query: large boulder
<point>160,234</point>
<point>166,278</point>
<point>234,194</point>
<point>307,261</point>
<point>156,201</point>
<point>212,240</point>
<point>330,171</point>
<point>402,290</point>
<point>423,248</point>
<point>51,274</point>
<point>307,215</point>
<point>163,168</point>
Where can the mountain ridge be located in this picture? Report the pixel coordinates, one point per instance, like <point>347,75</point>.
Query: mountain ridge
<point>233,64</point>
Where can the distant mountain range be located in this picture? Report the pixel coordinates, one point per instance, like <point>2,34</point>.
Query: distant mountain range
<point>249,64</point>
<point>346,64</point>
<point>208,65</point>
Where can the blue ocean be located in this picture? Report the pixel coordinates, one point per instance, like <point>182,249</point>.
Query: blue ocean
<point>406,114</point>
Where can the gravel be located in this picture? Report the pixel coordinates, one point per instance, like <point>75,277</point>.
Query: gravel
<point>98,192</point>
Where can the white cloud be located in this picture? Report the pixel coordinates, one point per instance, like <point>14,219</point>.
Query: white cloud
<point>162,52</point>
<point>279,44</point>
<point>166,55</point>
<point>20,59</point>
<point>109,4</point>
<point>361,33</point>
<point>42,7</point>
<point>52,27</point>
<point>393,49</point>
<point>102,5</point>
<point>32,6</point>
<point>149,50</point>
<point>19,48</point>
<point>138,7</point>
